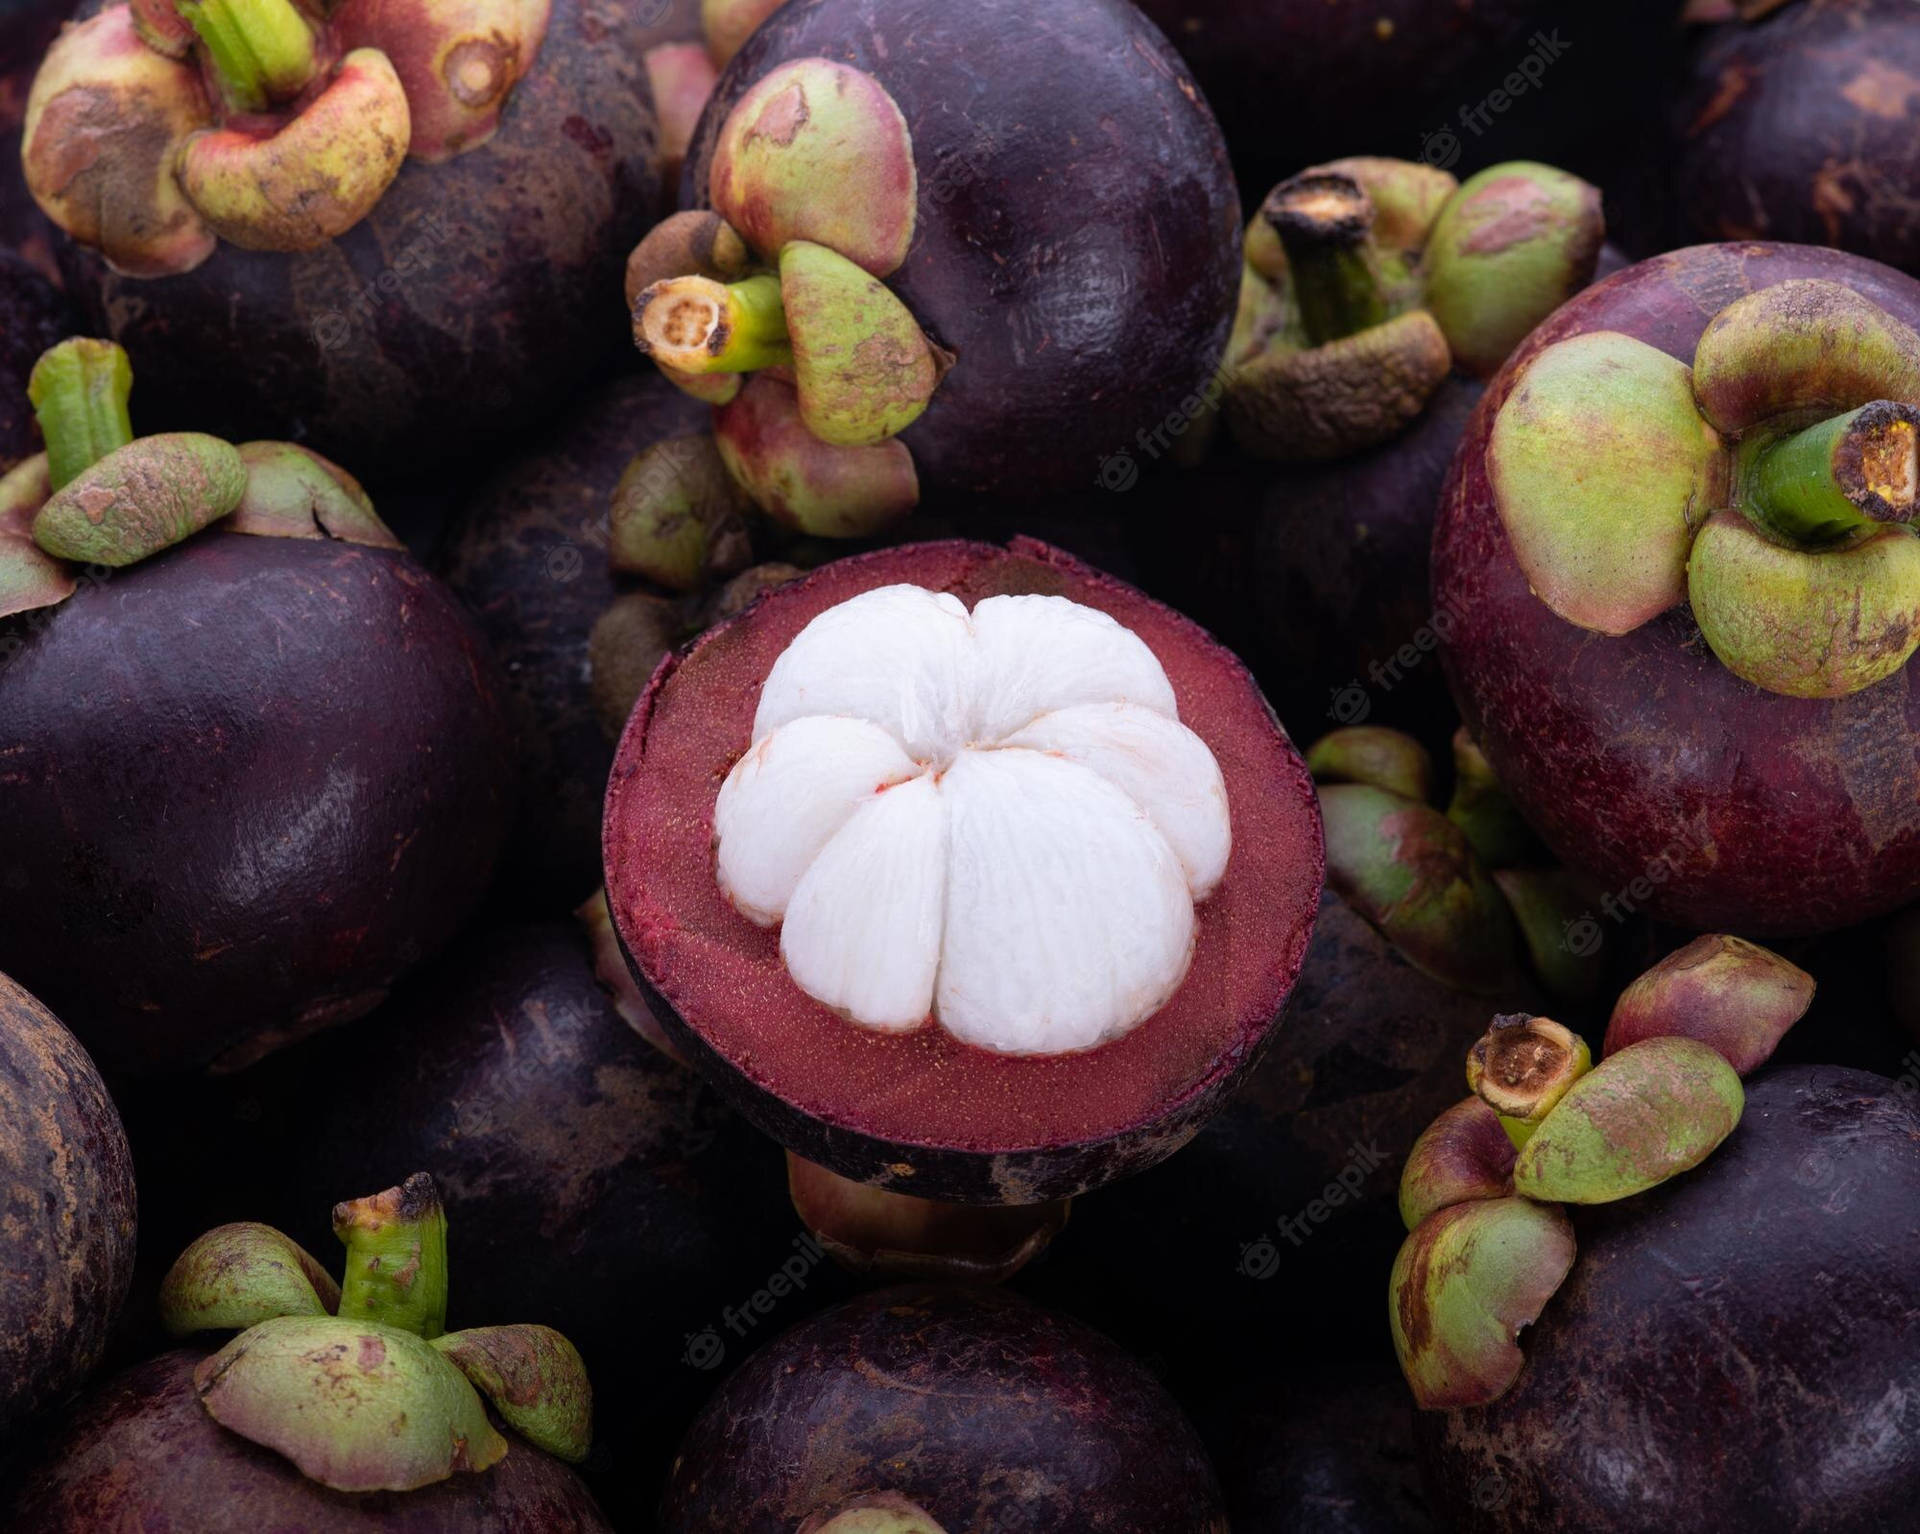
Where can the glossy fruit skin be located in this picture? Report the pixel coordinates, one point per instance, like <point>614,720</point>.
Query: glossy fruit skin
<point>1642,761</point>
<point>478,295</point>
<point>66,1205</point>
<point>1772,1289</point>
<point>141,1451</point>
<point>1803,125</point>
<point>964,1134</point>
<point>251,781</point>
<point>34,314</point>
<point>983,1409</point>
<point>528,555</point>
<point>1085,282</point>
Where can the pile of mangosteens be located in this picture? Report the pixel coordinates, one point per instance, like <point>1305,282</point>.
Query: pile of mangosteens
<point>905,733</point>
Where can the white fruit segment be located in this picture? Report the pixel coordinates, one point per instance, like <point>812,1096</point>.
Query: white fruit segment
<point>994,819</point>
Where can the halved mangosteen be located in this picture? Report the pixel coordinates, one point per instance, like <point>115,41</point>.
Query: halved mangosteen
<point>968,872</point>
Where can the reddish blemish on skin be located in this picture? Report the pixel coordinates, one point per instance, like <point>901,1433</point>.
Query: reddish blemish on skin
<point>782,118</point>
<point>1880,90</point>
<point>373,1353</point>
<point>1524,210</point>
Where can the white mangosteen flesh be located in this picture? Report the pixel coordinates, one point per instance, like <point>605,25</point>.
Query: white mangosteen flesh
<point>994,820</point>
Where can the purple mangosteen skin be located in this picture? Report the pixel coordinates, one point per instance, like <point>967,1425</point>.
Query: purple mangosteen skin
<point>1085,287</point>
<point>989,1413</point>
<point>529,558</point>
<point>1641,759</point>
<point>248,783</point>
<point>1734,1349</point>
<point>34,315</point>
<point>142,1452</point>
<point>66,1210</point>
<point>1804,125</point>
<point>479,294</point>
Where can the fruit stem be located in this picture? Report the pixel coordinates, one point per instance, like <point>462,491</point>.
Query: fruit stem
<point>79,392</point>
<point>697,325</point>
<point>1522,1067</point>
<point>1325,224</point>
<point>262,50</point>
<point>1837,476</point>
<point>396,1272</point>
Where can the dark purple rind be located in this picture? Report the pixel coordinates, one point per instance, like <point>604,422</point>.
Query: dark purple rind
<point>1370,1052</point>
<point>1735,1349</point>
<point>34,315</point>
<point>1077,239</point>
<point>529,557</point>
<point>141,1452</point>
<point>66,1210</point>
<point>1805,125</point>
<point>472,302</point>
<point>246,785</point>
<point>1781,815</point>
<point>957,1172</point>
<point>1318,574</point>
<point>979,1407</point>
<point>1298,81</point>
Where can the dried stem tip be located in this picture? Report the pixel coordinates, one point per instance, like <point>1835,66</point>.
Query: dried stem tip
<point>697,325</point>
<point>1823,483</point>
<point>396,1270</point>
<point>1324,220</point>
<point>1524,1065</point>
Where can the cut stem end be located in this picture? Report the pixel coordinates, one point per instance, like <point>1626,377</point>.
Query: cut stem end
<point>697,325</point>
<point>1325,223</point>
<point>1839,475</point>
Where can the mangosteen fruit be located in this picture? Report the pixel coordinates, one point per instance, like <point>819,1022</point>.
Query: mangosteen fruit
<point>935,265</point>
<point>34,314</point>
<point>1677,552</point>
<point>1376,296</point>
<point>1732,1349</point>
<point>967,872</point>
<point>393,223</point>
<point>337,1405</point>
<point>529,554</point>
<point>949,1409</point>
<point>259,762</point>
<point>1797,121</point>
<point>69,1210</point>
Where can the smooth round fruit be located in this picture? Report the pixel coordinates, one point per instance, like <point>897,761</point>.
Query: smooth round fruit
<point>67,1212</point>
<point>476,296</point>
<point>918,1111</point>
<point>1722,1340</point>
<point>976,1406</point>
<point>142,1447</point>
<point>1802,125</point>
<point>250,782</point>
<point>1075,241</point>
<point>1641,759</point>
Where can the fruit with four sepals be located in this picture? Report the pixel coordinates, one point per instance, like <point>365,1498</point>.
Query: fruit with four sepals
<point>399,234</point>
<point>358,1383</point>
<point>255,776</point>
<point>1640,756</point>
<point>973,1406</point>
<point>1721,1340</point>
<point>68,1210</point>
<point>924,893</point>
<point>1797,122</point>
<point>916,185</point>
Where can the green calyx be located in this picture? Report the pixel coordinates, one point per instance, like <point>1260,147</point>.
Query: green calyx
<point>1464,1155</point>
<point>1482,809</point>
<point>79,392</point>
<point>1371,753</point>
<point>262,51</point>
<point>678,518</point>
<point>1369,280</point>
<point>1773,486</point>
<point>292,492</point>
<point>882,1512</point>
<point>359,1384</point>
<point>1734,996</point>
<point>142,498</point>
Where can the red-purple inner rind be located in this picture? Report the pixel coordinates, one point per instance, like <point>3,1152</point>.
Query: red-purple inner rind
<point>805,1069</point>
<point>1641,759</point>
